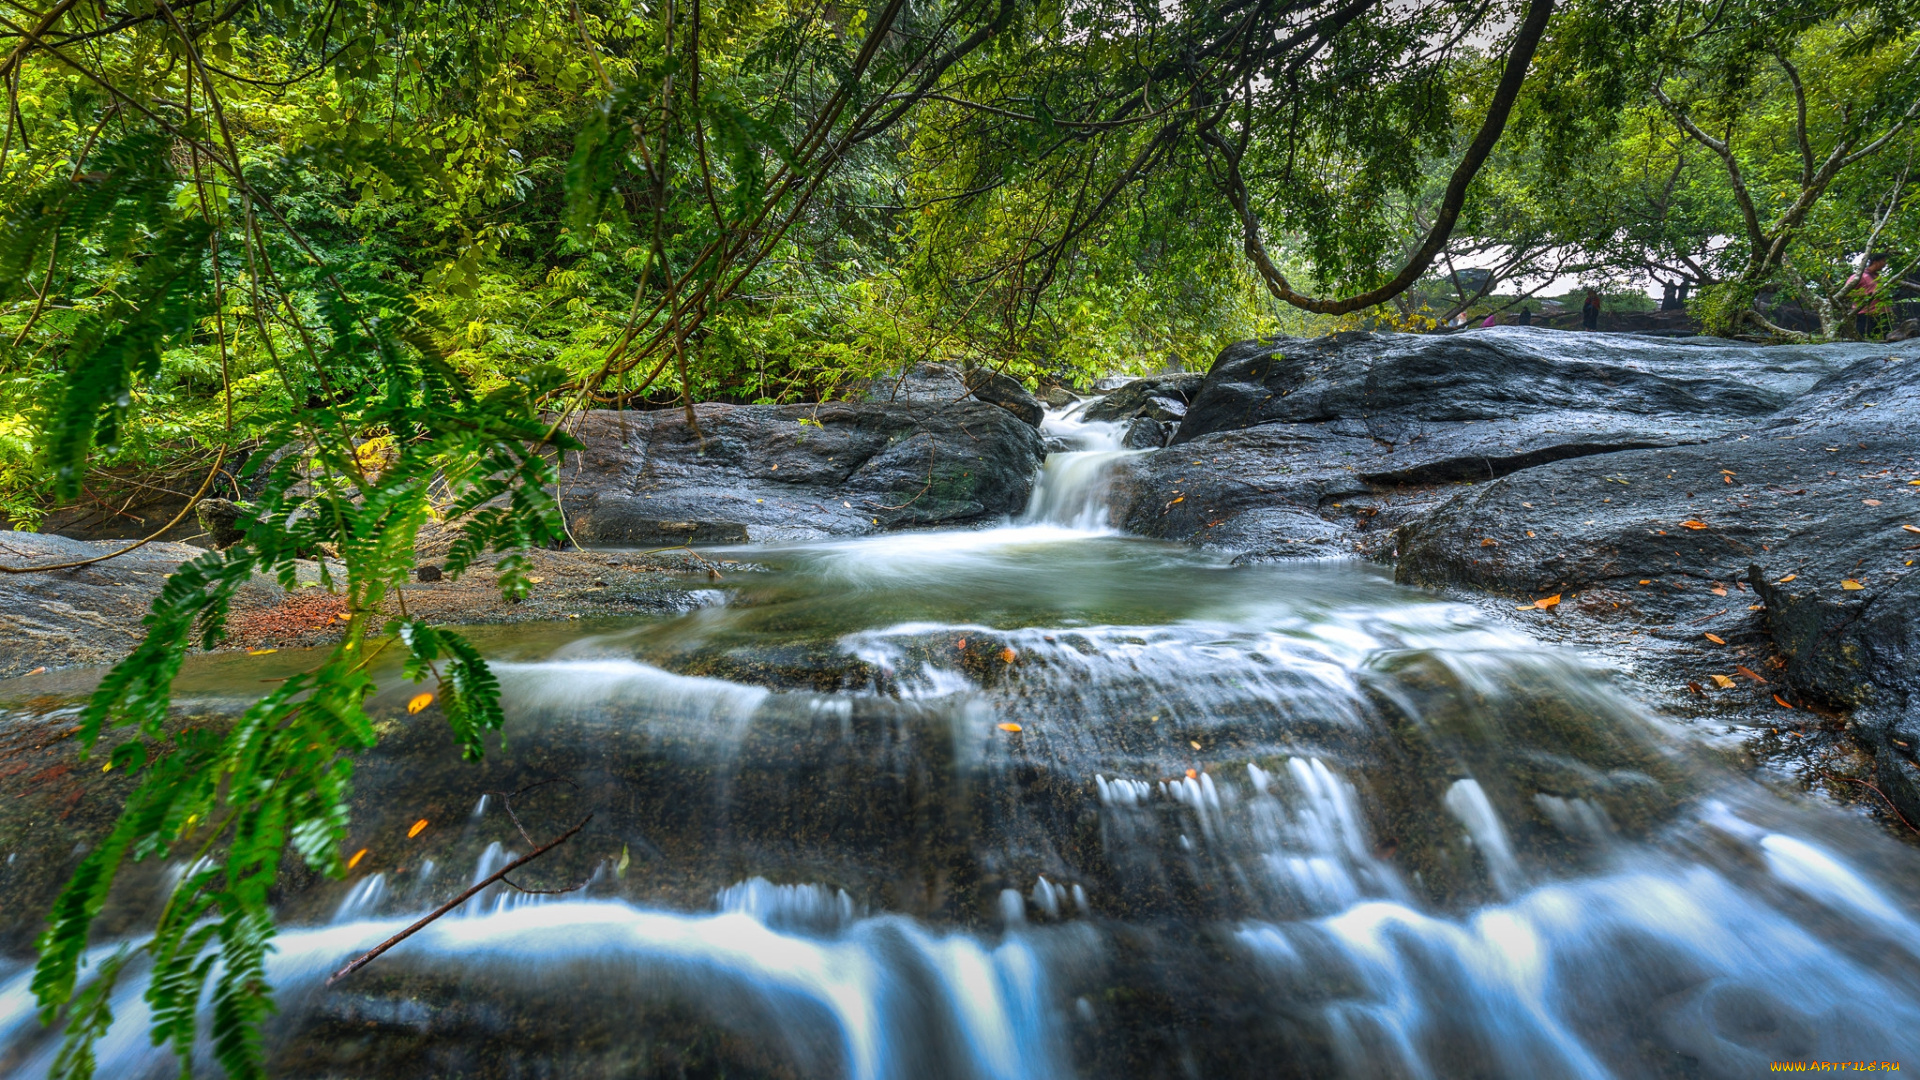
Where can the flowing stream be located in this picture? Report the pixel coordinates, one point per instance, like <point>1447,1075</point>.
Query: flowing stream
<point>1044,800</point>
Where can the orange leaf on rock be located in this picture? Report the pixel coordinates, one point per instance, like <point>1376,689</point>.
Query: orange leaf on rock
<point>1489,542</point>
<point>1871,502</point>
<point>1007,654</point>
<point>1782,701</point>
<point>1851,585</point>
<point>420,701</point>
<point>1911,528</point>
<point>357,856</point>
<point>1716,639</point>
<point>961,644</point>
<point>1693,524</point>
<point>1546,602</point>
<point>1718,590</point>
<point>1694,688</point>
<point>1008,727</point>
<point>1749,673</point>
<point>1786,579</point>
<point>418,828</point>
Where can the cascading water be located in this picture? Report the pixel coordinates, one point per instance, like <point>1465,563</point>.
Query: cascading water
<point>1046,801</point>
<point>1072,487</point>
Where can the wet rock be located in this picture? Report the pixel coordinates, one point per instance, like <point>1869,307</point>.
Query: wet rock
<point>758,473</point>
<point>997,389</point>
<point>1137,397</point>
<point>1059,397</point>
<point>1164,409</point>
<point>1394,387</point>
<point>1300,447</point>
<point>1144,433</point>
<point>427,574</point>
<point>88,615</point>
<point>1788,540</point>
<point>220,520</point>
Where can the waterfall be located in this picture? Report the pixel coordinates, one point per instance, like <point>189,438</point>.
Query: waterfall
<point>1072,489</point>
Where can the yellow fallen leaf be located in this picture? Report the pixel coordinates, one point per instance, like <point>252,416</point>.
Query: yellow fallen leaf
<point>535,580</point>
<point>1851,585</point>
<point>108,767</point>
<point>1911,528</point>
<point>626,860</point>
<point>1547,602</point>
<point>1721,681</point>
<point>261,652</point>
<point>418,828</point>
<point>1693,525</point>
<point>1646,581</point>
<point>1786,579</point>
<point>344,617</point>
<point>1007,655</point>
<point>1716,639</point>
<point>1008,727</point>
<point>420,701</point>
<point>357,856</point>
<point>1718,590</point>
<point>1193,744</point>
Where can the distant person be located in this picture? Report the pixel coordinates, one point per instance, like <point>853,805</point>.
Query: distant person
<point>1492,321</point>
<point>1867,283</point>
<point>1526,317</point>
<point>1590,311</point>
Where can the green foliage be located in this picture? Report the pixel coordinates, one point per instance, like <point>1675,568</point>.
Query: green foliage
<point>280,775</point>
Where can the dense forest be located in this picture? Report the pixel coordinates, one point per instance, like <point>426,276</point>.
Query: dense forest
<point>368,261</point>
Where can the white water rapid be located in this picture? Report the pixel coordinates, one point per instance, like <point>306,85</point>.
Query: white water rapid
<point>1049,801</point>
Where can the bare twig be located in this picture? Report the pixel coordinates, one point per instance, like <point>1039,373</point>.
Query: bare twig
<point>177,519</point>
<point>1883,796</point>
<point>374,954</point>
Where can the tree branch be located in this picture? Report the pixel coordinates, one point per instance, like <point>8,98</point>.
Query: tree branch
<point>1525,42</point>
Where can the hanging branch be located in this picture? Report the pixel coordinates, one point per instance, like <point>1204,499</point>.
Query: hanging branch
<point>1504,95</point>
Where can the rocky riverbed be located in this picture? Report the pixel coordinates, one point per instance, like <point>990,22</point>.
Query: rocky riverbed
<point>1733,527</point>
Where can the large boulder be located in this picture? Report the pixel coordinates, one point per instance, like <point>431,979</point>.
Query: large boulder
<point>1005,391</point>
<point>1792,541</point>
<point>788,472</point>
<point>941,384</point>
<point>86,615</point>
<point>1395,387</point>
<point>1367,431</point>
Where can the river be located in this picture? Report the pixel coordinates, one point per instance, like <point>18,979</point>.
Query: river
<point>1044,800</point>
